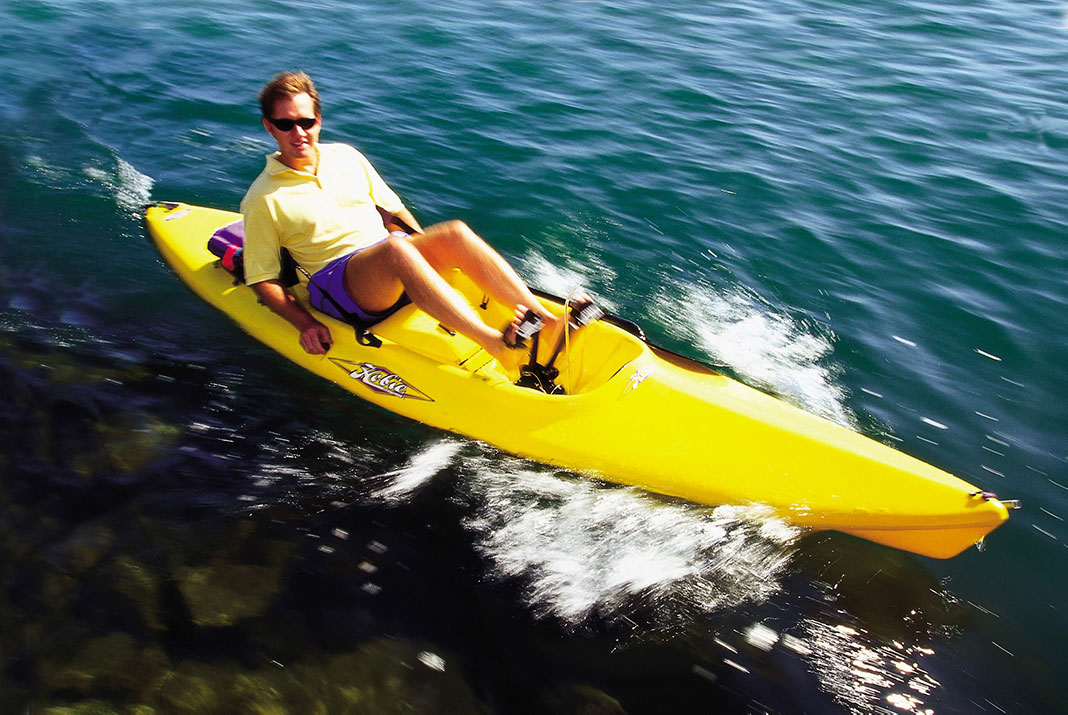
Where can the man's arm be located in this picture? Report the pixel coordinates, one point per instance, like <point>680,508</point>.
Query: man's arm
<point>314,336</point>
<point>406,216</point>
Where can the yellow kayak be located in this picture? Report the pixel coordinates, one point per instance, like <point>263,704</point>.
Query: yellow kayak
<point>633,413</point>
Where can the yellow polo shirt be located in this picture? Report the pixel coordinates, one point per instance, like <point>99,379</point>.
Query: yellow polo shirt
<point>317,217</point>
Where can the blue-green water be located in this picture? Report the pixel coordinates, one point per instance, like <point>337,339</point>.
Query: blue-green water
<point>859,207</point>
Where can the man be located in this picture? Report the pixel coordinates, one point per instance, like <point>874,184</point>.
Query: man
<point>319,201</point>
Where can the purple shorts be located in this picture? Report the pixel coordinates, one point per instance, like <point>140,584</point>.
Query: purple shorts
<point>326,291</point>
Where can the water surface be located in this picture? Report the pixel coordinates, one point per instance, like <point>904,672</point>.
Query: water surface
<point>858,208</point>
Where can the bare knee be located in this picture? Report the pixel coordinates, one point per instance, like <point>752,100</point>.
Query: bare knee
<point>446,245</point>
<point>459,228</point>
<point>398,251</point>
<point>454,235</point>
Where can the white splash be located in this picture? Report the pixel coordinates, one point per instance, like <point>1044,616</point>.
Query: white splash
<point>582,548</point>
<point>134,189</point>
<point>130,187</point>
<point>769,349</point>
<point>863,674</point>
<point>561,277</point>
<point>561,280</point>
<point>421,468</point>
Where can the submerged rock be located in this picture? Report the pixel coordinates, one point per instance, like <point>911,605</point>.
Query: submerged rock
<point>195,688</point>
<point>225,594</point>
<point>388,675</point>
<point>381,676</point>
<point>115,665</point>
<point>85,548</point>
<point>580,700</point>
<point>141,585</point>
<point>128,442</point>
<point>238,572</point>
<point>95,707</point>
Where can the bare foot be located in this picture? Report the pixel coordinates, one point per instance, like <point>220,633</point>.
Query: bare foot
<point>504,349</point>
<point>552,337</point>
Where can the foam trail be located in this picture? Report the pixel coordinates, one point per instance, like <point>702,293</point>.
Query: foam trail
<point>583,549</point>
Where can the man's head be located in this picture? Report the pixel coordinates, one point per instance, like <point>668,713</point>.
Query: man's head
<point>287,84</point>
<point>291,114</point>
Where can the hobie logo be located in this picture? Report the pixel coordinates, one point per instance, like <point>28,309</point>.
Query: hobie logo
<point>638,377</point>
<point>380,379</point>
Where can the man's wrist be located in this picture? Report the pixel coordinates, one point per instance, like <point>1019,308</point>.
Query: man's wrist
<point>305,320</point>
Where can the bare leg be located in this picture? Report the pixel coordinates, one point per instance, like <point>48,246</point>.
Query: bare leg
<point>375,279</point>
<point>454,245</point>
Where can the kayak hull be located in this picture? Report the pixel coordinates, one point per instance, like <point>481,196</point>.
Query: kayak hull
<point>633,413</point>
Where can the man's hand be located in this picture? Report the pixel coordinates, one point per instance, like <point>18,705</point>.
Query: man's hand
<point>315,339</point>
<point>314,336</point>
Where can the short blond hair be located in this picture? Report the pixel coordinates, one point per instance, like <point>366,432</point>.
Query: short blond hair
<point>287,84</point>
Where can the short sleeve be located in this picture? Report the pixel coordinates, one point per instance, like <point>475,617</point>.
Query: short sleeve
<point>381,193</point>
<point>262,245</point>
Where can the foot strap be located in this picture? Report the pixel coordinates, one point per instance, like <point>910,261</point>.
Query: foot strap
<point>584,312</point>
<point>529,327</point>
<point>543,377</point>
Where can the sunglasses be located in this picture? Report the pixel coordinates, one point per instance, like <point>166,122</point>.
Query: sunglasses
<point>286,125</point>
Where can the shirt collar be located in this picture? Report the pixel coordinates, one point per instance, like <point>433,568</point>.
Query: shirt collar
<point>275,166</point>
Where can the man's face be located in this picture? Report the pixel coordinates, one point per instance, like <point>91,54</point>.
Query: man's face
<point>297,145</point>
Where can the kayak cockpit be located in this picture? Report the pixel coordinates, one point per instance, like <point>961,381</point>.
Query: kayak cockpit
<point>589,358</point>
